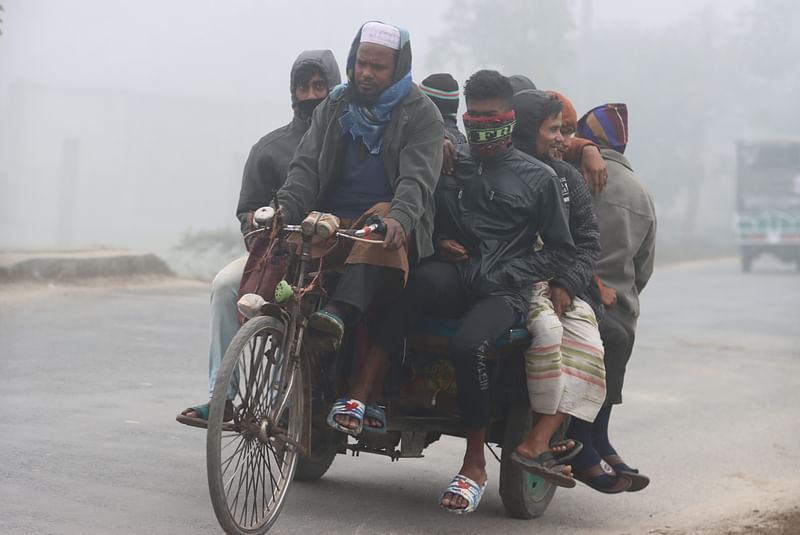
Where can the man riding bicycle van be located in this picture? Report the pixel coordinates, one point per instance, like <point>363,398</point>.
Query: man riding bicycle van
<point>374,148</point>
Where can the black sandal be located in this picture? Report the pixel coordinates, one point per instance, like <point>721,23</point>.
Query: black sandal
<point>595,477</point>
<point>568,455</point>
<point>638,481</point>
<point>545,466</point>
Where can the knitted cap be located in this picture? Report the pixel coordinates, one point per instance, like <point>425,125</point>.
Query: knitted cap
<point>442,89</point>
<point>520,82</point>
<point>606,125</point>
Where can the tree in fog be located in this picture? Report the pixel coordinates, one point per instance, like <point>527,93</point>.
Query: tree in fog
<point>767,51</point>
<point>530,38</point>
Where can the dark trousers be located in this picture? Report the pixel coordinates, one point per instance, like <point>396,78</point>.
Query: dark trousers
<point>360,284</point>
<point>618,343</point>
<point>435,288</point>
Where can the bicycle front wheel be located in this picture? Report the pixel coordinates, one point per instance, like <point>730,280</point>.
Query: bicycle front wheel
<point>251,459</point>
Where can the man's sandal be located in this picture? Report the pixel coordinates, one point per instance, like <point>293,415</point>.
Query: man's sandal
<point>347,407</point>
<point>602,478</point>
<point>638,481</point>
<point>466,488</point>
<point>202,420</point>
<point>574,447</point>
<point>375,412</point>
<point>545,466</point>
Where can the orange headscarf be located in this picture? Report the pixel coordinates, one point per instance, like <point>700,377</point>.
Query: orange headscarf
<point>569,117</point>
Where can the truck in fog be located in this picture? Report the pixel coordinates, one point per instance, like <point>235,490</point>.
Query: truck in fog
<point>768,200</point>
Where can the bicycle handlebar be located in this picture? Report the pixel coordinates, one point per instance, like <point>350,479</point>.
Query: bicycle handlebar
<point>263,217</point>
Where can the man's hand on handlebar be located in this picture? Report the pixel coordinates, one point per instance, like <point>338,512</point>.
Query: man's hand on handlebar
<point>395,235</point>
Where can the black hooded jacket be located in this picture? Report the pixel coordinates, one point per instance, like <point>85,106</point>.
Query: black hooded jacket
<point>578,278</point>
<point>268,162</point>
<point>496,208</point>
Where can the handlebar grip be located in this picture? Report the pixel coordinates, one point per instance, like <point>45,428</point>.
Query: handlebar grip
<point>378,222</point>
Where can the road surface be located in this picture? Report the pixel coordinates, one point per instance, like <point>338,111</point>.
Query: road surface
<point>91,380</point>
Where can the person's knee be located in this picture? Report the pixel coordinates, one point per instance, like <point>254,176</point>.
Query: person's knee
<point>225,286</point>
<point>423,283</point>
<point>546,330</point>
<point>613,334</point>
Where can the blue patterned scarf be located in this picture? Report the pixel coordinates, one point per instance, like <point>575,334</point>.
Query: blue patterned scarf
<point>368,123</point>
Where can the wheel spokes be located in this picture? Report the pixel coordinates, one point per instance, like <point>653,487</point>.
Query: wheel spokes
<point>257,456</point>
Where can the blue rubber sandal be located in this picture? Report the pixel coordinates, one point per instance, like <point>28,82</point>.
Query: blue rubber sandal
<point>347,407</point>
<point>375,412</point>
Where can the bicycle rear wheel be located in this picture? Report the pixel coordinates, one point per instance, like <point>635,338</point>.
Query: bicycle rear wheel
<point>251,460</point>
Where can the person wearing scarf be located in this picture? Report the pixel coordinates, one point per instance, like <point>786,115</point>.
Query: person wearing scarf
<point>565,370</point>
<point>627,220</point>
<point>374,148</point>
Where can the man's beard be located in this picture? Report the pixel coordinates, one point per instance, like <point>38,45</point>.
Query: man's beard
<point>364,100</point>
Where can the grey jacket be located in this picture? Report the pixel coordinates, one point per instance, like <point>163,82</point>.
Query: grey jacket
<point>627,220</point>
<point>268,162</point>
<point>411,151</point>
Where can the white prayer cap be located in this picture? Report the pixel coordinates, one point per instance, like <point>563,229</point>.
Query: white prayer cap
<point>381,34</point>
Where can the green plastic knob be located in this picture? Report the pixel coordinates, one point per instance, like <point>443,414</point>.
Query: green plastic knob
<point>283,292</point>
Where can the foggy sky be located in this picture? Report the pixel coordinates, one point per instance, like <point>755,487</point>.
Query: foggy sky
<point>206,78</point>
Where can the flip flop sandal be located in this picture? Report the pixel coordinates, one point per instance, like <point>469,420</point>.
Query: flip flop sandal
<point>202,420</point>
<point>328,323</point>
<point>568,455</point>
<point>638,481</point>
<point>347,407</point>
<point>545,466</point>
<point>375,412</point>
<point>594,476</point>
<point>466,488</point>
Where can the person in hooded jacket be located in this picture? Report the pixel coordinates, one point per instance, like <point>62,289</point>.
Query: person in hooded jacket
<point>314,73</point>
<point>627,220</point>
<point>565,369</point>
<point>374,148</point>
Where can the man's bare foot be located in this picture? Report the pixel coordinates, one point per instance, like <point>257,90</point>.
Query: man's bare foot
<point>346,421</point>
<point>532,449</point>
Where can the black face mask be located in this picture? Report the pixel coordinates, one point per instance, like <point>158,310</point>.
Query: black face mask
<point>305,108</point>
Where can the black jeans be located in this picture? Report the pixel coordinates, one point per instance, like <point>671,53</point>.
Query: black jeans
<point>618,343</point>
<point>435,288</point>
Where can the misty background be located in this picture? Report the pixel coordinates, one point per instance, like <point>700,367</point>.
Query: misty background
<point>127,124</point>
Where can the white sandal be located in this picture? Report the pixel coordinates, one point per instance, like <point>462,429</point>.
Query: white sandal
<point>466,488</point>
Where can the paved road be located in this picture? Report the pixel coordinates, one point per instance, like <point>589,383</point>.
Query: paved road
<point>90,382</point>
